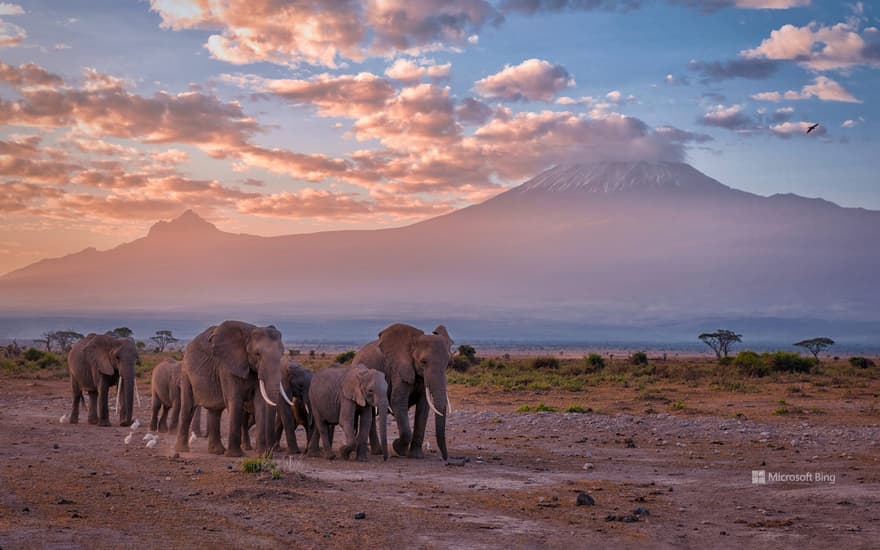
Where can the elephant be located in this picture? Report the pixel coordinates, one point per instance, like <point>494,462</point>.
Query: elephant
<point>165,391</point>
<point>295,381</point>
<point>414,364</point>
<point>347,396</point>
<point>96,363</point>
<point>222,369</point>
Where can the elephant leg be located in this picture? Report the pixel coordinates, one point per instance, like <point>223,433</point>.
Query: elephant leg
<point>236,411</point>
<point>364,429</point>
<point>187,408</point>
<point>76,390</point>
<point>154,417</point>
<point>163,420</point>
<point>197,423</point>
<point>174,415</point>
<point>103,404</point>
<point>347,418</point>
<point>246,432</point>
<point>375,446</point>
<point>419,423</point>
<point>93,407</point>
<point>400,406</point>
<point>312,446</point>
<point>215,446</point>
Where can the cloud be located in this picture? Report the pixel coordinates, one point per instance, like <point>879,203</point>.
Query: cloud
<point>10,9</point>
<point>820,48</point>
<point>822,88</point>
<point>852,123</point>
<point>322,33</point>
<point>472,111</point>
<point>28,75</point>
<point>409,72</point>
<point>730,118</point>
<point>344,95</point>
<point>753,69</point>
<point>18,196</point>
<point>787,130</point>
<point>418,115</point>
<point>531,7</point>
<point>710,6</point>
<point>531,80</point>
<point>11,34</point>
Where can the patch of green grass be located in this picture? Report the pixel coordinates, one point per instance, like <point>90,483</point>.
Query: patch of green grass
<point>578,409</point>
<point>540,407</point>
<point>259,464</point>
<point>677,406</point>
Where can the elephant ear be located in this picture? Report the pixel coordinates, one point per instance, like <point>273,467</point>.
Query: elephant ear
<point>352,386</point>
<point>97,352</point>
<point>229,347</point>
<point>396,344</point>
<point>441,331</point>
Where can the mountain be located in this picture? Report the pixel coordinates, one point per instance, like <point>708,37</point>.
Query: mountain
<point>608,242</point>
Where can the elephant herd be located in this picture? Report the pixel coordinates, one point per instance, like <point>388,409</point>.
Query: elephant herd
<point>242,369</point>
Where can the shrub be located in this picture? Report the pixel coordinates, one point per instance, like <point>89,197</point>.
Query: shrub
<point>493,364</point>
<point>460,363</point>
<point>785,361</point>
<point>727,360</point>
<point>861,362</point>
<point>540,407</point>
<point>751,364</point>
<point>345,357</point>
<point>596,361</point>
<point>578,409</point>
<point>547,362</point>
<point>33,354</point>
<point>258,464</point>
<point>638,358</point>
<point>469,353</point>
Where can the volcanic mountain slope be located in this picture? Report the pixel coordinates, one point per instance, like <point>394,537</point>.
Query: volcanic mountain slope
<point>609,241</point>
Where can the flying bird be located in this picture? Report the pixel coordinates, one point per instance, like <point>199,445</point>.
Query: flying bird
<point>812,127</point>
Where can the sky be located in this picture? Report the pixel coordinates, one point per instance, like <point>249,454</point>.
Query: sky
<point>271,117</point>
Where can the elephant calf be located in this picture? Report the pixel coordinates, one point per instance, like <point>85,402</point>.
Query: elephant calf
<point>295,381</point>
<point>344,396</point>
<point>165,390</point>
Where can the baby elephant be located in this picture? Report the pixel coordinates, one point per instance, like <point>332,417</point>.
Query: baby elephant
<point>165,389</point>
<point>347,396</point>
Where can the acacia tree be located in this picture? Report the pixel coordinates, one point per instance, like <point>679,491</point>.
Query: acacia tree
<point>122,332</point>
<point>816,345</point>
<point>47,340</point>
<point>162,339</point>
<point>66,339</point>
<point>720,341</point>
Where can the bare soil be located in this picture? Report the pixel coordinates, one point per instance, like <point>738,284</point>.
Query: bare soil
<point>514,484</point>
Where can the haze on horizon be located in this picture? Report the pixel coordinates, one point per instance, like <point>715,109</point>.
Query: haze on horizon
<point>301,119</point>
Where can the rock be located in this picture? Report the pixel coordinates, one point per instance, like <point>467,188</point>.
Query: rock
<point>583,499</point>
<point>625,519</point>
<point>199,471</point>
<point>360,515</point>
<point>63,501</point>
<point>641,511</point>
<point>588,466</point>
<point>55,446</point>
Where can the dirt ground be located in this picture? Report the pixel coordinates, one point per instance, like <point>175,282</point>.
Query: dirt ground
<point>81,486</point>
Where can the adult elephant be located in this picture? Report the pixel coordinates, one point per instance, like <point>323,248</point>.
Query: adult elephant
<point>414,364</point>
<point>295,383</point>
<point>97,362</point>
<point>222,369</point>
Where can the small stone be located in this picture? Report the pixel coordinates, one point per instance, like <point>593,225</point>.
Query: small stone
<point>199,471</point>
<point>584,499</point>
<point>55,446</point>
<point>641,512</point>
<point>588,466</point>
<point>360,515</point>
<point>63,501</point>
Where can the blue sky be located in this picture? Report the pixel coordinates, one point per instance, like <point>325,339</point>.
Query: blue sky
<point>276,120</point>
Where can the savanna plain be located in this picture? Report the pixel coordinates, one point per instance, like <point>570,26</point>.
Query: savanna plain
<point>545,453</point>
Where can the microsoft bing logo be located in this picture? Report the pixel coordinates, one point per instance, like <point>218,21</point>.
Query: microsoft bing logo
<point>759,477</point>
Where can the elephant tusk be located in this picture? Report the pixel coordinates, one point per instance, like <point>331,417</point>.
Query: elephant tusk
<point>448,405</point>
<point>284,394</point>
<point>266,395</point>
<point>431,402</point>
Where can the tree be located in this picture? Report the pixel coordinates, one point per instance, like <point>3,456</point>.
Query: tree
<point>66,339</point>
<point>816,345</point>
<point>162,339</point>
<point>720,341</point>
<point>47,340</point>
<point>122,332</point>
<point>345,357</point>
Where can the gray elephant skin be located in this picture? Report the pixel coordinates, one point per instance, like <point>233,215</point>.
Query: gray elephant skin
<point>96,363</point>
<point>295,381</point>
<point>414,364</point>
<point>223,368</point>
<point>347,396</point>
<point>165,394</point>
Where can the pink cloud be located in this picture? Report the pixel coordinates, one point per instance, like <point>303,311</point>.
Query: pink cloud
<point>410,72</point>
<point>28,75</point>
<point>822,88</point>
<point>531,80</point>
<point>821,48</point>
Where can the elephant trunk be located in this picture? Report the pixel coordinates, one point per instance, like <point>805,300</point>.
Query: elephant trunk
<point>126,397</point>
<point>437,399</point>
<point>382,419</point>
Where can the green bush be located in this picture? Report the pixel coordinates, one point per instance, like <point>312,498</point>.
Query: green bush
<point>540,407</point>
<point>638,358</point>
<point>547,362</point>
<point>33,354</point>
<point>727,360</point>
<point>786,361</point>
<point>596,361</point>
<point>345,357</point>
<point>861,362</point>
<point>751,364</point>
<point>460,363</point>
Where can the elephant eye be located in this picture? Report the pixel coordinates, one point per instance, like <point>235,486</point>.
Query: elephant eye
<point>424,361</point>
